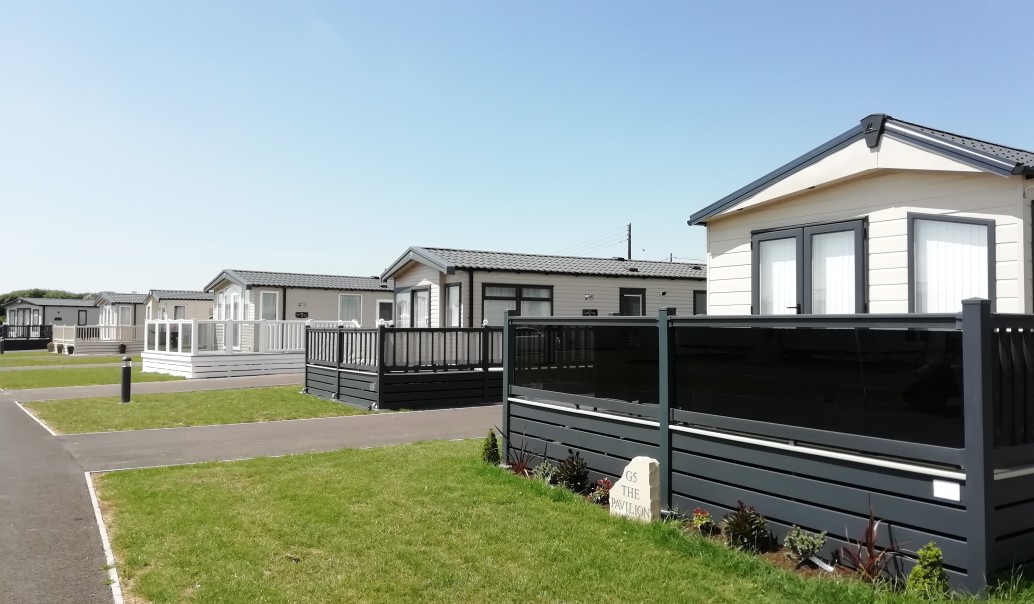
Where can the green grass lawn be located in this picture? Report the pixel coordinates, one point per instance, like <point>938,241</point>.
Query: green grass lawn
<point>185,409</point>
<point>48,358</point>
<point>418,523</point>
<point>75,376</point>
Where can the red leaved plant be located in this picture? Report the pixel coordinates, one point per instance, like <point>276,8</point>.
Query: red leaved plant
<point>867,560</point>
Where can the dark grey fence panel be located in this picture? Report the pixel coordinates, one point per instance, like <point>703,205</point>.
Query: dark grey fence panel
<point>1012,523</point>
<point>321,382</point>
<point>1012,366</point>
<point>832,471</point>
<point>638,410</point>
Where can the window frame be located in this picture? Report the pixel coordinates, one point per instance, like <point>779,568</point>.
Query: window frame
<point>391,305</point>
<point>518,296</point>
<point>175,307</point>
<point>413,291</point>
<point>992,278</point>
<point>632,291</point>
<point>696,307</point>
<point>445,307</point>
<point>276,304</point>
<point>341,295</point>
<point>802,235</point>
<point>81,317</point>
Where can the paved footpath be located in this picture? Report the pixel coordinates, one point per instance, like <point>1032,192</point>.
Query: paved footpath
<point>50,548</point>
<point>230,383</point>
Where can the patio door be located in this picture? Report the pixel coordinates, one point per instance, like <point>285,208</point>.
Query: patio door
<point>811,270</point>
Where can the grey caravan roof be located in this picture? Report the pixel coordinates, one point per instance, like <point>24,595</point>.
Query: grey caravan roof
<point>447,260</point>
<point>116,298</point>
<point>52,302</point>
<point>982,155</point>
<point>179,294</point>
<point>249,278</point>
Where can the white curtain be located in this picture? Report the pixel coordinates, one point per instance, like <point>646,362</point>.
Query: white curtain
<point>778,267</point>
<point>452,295</point>
<point>402,308</point>
<point>421,308</point>
<point>833,273</point>
<point>495,309</point>
<point>350,308</point>
<point>950,264</point>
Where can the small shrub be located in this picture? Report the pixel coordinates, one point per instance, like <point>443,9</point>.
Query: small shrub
<point>50,347</point>
<point>801,545</point>
<point>704,522</point>
<point>546,472</point>
<point>490,449</point>
<point>601,492</point>
<point>928,579</point>
<point>745,529</point>
<point>573,473</point>
<point>122,348</point>
<point>863,555</point>
<point>519,460</point>
<point>60,348</point>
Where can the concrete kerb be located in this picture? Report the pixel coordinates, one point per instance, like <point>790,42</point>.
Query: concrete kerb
<point>36,419</point>
<point>109,556</point>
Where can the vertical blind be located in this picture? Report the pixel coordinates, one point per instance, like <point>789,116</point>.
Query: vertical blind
<point>778,271</point>
<point>833,273</point>
<point>951,264</point>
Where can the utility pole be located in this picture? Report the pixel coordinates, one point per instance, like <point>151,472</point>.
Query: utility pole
<point>630,241</point>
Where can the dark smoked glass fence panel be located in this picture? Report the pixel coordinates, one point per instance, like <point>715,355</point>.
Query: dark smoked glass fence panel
<point>598,361</point>
<point>903,385</point>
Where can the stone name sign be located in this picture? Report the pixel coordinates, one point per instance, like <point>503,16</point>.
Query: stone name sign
<point>637,495</point>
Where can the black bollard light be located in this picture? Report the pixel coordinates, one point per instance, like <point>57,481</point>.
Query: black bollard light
<point>2,345</point>
<point>127,368</point>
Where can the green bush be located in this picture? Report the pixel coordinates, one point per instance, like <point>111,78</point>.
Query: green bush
<point>50,347</point>
<point>490,449</point>
<point>745,530</point>
<point>546,472</point>
<point>801,545</point>
<point>573,472</point>
<point>928,579</point>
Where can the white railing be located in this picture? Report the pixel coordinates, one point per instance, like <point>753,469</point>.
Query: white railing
<point>73,334</point>
<point>212,336</point>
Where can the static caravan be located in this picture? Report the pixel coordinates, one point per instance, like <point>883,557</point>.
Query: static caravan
<point>255,322</point>
<point>30,321</point>
<point>118,330</point>
<point>178,304</point>
<point>888,217</point>
<point>441,287</point>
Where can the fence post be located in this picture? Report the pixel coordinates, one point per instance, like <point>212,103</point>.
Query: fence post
<point>978,420</point>
<point>305,359</point>
<point>339,355</point>
<point>382,335</point>
<point>508,362</point>
<point>665,391</point>
<point>486,350</point>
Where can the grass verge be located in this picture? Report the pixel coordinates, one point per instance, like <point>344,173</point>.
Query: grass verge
<point>180,409</point>
<point>426,522</point>
<point>49,359</point>
<point>75,376</point>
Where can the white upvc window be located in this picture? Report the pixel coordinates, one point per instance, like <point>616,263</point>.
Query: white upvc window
<point>147,312</point>
<point>163,314</point>
<point>179,312</point>
<point>350,307</point>
<point>125,315</point>
<point>950,260</point>
<point>269,303</point>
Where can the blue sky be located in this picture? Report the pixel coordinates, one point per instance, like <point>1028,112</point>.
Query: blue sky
<point>150,145</point>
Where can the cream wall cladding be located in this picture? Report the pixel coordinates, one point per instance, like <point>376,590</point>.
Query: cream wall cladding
<point>888,175</point>
<point>884,198</point>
